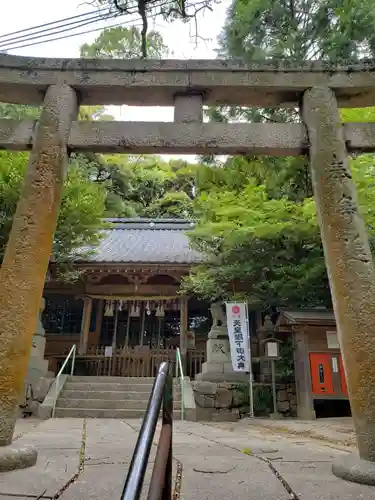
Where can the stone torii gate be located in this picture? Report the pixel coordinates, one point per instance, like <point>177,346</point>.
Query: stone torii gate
<point>62,85</point>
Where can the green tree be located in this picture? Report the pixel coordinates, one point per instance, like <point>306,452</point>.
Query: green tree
<point>124,43</point>
<point>21,112</point>
<point>81,212</point>
<point>291,32</point>
<point>174,204</point>
<point>147,186</point>
<point>294,31</point>
<point>168,10</point>
<point>299,30</point>
<point>266,249</point>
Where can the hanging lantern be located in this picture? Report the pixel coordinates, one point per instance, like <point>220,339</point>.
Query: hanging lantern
<point>148,310</point>
<point>107,310</point>
<point>160,311</point>
<point>135,311</point>
<point>110,308</point>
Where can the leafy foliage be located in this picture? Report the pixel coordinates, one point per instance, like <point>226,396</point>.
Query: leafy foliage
<point>169,10</point>
<point>257,224</point>
<point>299,30</point>
<point>124,43</point>
<point>265,248</point>
<point>294,31</point>
<point>146,186</point>
<point>81,210</point>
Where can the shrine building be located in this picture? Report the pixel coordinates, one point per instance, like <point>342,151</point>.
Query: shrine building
<point>127,301</point>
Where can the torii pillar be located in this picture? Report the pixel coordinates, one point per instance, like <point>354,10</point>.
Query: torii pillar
<point>25,263</point>
<point>350,270</point>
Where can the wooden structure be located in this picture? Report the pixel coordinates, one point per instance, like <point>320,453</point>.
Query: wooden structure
<point>319,370</point>
<point>125,312</point>
<point>318,88</point>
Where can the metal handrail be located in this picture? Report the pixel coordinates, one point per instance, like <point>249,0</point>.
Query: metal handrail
<point>161,479</point>
<point>180,369</point>
<point>72,352</point>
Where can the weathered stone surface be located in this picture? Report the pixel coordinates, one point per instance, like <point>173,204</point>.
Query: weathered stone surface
<point>205,387</point>
<point>286,139</point>
<point>218,350</point>
<point>58,443</point>
<point>237,397</point>
<point>225,415</point>
<point>204,400</point>
<point>214,368</point>
<point>348,258</point>
<point>352,468</point>
<point>224,398</point>
<point>231,396</point>
<point>156,83</point>
<point>188,108</point>
<point>283,406</point>
<point>26,258</point>
<point>42,388</point>
<point>282,395</point>
<point>17,457</point>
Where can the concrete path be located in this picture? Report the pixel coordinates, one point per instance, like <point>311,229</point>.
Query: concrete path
<point>89,459</point>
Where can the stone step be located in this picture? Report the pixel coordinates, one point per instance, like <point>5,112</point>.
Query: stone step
<point>133,380</point>
<point>117,404</point>
<point>129,380</point>
<point>111,395</point>
<point>107,386</point>
<point>104,413</point>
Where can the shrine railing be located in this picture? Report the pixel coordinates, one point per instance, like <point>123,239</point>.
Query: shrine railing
<point>132,362</point>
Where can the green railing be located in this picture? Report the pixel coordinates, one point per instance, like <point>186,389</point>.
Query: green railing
<point>180,370</point>
<point>72,354</point>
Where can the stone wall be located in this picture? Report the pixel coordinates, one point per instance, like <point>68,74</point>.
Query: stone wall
<point>34,395</point>
<point>223,401</point>
<point>287,399</point>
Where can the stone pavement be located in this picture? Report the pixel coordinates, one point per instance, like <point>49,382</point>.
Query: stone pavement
<point>88,459</point>
<point>338,431</point>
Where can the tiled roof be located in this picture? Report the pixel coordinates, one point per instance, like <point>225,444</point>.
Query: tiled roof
<point>306,315</point>
<point>146,241</point>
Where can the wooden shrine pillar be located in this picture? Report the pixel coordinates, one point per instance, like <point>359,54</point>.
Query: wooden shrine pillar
<point>26,258</point>
<point>99,320</point>
<point>183,330</point>
<point>85,325</point>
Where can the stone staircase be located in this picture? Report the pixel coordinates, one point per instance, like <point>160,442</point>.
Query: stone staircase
<point>109,397</point>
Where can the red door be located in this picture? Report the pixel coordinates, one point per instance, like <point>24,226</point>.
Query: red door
<point>344,387</point>
<point>321,373</point>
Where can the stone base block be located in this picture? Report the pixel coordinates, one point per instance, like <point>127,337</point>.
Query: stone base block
<point>214,415</point>
<point>15,457</point>
<point>222,377</point>
<point>305,413</point>
<point>275,416</point>
<point>218,350</point>
<point>209,367</point>
<point>228,367</point>
<point>354,469</point>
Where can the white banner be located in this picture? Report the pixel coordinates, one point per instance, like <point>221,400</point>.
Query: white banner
<point>238,332</point>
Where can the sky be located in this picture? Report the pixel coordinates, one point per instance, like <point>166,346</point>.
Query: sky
<point>177,36</point>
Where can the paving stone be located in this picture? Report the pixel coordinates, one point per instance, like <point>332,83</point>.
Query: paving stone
<point>46,478</point>
<point>316,481</point>
<point>110,485</point>
<point>58,444</point>
<point>214,463</point>
<point>230,479</point>
<point>21,497</point>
